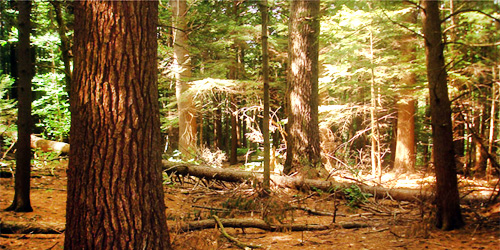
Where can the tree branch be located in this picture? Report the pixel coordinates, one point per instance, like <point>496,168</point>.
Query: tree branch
<point>469,10</point>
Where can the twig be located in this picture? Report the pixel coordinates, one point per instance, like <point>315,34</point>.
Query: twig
<point>231,238</point>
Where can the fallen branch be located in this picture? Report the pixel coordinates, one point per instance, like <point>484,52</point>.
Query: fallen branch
<point>48,145</point>
<point>10,227</point>
<point>231,238</point>
<point>261,224</point>
<point>232,175</point>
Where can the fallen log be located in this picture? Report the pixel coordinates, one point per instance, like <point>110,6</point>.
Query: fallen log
<point>43,144</point>
<point>18,227</point>
<point>10,227</point>
<point>232,175</point>
<point>261,224</point>
<point>48,145</point>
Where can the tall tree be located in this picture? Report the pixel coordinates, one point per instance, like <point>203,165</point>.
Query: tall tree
<point>404,160</point>
<point>303,141</point>
<point>115,194</point>
<point>265,76</point>
<point>182,71</point>
<point>21,201</point>
<point>65,42</point>
<point>448,214</point>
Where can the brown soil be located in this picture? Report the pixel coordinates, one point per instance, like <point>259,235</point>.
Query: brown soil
<point>393,225</point>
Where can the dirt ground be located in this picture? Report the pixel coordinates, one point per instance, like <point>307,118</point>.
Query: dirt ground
<point>391,224</point>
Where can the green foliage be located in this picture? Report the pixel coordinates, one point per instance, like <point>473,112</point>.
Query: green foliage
<point>355,196</point>
<point>52,108</point>
<point>7,105</point>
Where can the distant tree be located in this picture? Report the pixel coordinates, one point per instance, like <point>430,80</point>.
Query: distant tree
<point>115,193</point>
<point>404,160</point>
<point>21,201</point>
<point>65,42</point>
<point>303,140</point>
<point>182,73</point>
<point>448,214</point>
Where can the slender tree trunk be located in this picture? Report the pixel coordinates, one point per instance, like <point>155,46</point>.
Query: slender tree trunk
<point>182,71</point>
<point>265,77</point>
<point>21,201</point>
<point>115,193</point>
<point>448,215</point>
<point>303,142</point>
<point>233,157</point>
<point>375,137</point>
<point>491,137</point>
<point>65,43</point>
<point>218,133</point>
<point>481,151</point>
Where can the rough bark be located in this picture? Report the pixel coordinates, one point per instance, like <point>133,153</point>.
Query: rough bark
<point>115,193</point>
<point>22,201</point>
<point>448,215</point>
<point>182,70</point>
<point>303,141</point>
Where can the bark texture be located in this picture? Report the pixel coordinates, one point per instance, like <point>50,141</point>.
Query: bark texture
<point>448,215</point>
<point>303,140</point>
<point>115,194</point>
<point>22,201</point>
<point>182,70</point>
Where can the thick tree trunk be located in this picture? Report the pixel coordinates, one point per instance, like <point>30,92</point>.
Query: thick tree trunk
<point>115,193</point>
<point>448,214</point>
<point>404,161</point>
<point>303,141</point>
<point>182,70</point>
<point>21,201</point>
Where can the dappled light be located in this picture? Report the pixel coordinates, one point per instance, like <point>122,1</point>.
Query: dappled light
<point>305,124</point>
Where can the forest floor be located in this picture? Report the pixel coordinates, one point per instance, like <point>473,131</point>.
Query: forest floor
<point>391,224</point>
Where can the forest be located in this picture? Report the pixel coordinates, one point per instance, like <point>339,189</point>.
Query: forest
<point>241,124</point>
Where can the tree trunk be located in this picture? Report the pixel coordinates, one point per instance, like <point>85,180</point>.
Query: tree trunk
<point>481,151</point>
<point>182,70</point>
<point>404,162</point>
<point>303,141</point>
<point>493,131</point>
<point>448,214</point>
<point>115,193</point>
<point>405,142</point>
<point>65,43</point>
<point>233,156</point>
<point>265,77</point>
<point>375,135</point>
<point>21,201</point>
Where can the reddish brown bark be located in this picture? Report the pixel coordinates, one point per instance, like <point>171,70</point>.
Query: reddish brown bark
<point>448,215</point>
<point>115,194</point>
<point>303,141</point>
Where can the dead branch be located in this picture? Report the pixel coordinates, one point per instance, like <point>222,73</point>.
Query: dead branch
<point>261,224</point>
<point>232,175</point>
<point>231,238</point>
<point>10,227</point>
